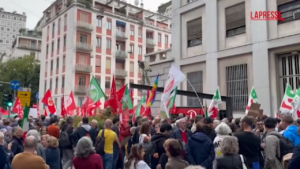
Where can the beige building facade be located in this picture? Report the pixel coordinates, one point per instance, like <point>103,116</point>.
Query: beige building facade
<point>216,43</point>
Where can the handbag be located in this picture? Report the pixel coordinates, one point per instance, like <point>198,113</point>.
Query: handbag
<point>99,146</point>
<point>243,162</point>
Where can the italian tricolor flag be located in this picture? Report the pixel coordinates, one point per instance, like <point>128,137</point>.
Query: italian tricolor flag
<point>213,108</point>
<point>252,99</point>
<point>25,121</point>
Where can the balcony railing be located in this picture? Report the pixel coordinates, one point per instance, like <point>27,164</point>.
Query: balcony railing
<point>121,73</point>
<point>29,47</point>
<point>150,42</point>
<point>121,35</point>
<point>121,54</point>
<point>82,68</point>
<point>84,26</point>
<point>84,47</point>
<point>80,89</point>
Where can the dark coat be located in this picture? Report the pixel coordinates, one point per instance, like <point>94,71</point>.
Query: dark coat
<point>136,135</point>
<point>210,133</point>
<point>94,133</point>
<point>230,162</point>
<point>177,135</point>
<point>3,156</point>
<point>69,130</point>
<point>17,146</point>
<point>79,133</point>
<point>158,139</point>
<point>53,158</point>
<point>200,142</point>
<point>295,160</point>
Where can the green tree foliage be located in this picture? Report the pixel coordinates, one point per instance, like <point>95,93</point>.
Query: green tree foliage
<point>25,69</point>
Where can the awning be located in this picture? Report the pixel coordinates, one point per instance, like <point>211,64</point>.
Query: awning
<point>120,23</point>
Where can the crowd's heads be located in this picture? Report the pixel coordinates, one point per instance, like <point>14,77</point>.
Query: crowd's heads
<point>216,123</point>
<point>173,148</point>
<point>1,138</point>
<point>84,148</point>
<point>132,130</point>
<point>116,120</point>
<point>157,127</point>
<point>259,124</point>
<point>44,130</point>
<point>246,122</point>
<point>145,129</point>
<point>165,128</point>
<point>17,132</point>
<point>108,123</point>
<point>208,122</point>
<point>182,123</point>
<point>286,120</point>
<point>223,129</point>
<point>70,120</point>
<point>136,154</point>
<point>199,118</point>
<point>225,120</point>
<point>44,140</point>
<point>229,146</point>
<point>270,123</point>
<point>53,120</point>
<point>43,117</point>
<point>94,123</point>
<point>34,133</point>
<point>157,120</point>
<point>85,120</point>
<point>52,142</point>
<point>30,143</point>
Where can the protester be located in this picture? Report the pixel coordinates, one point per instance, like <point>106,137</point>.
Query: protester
<point>52,153</point>
<point>85,155</point>
<point>28,159</point>
<point>182,133</point>
<point>216,123</point>
<point>272,145</point>
<point>116,151</point>
<point>44,130</point>
<point>52,129</point>
<point>135,158</point>
<point>5,161</point>
<point>129,144</point>
<point>198,118</point>
<point>40,149</point>
<point>295,160</point>
<point>230,159</point>
<point>17,140</point>
<point>259,129</point>
<point>173,151</point>
<point>290,130</point>
<point>65,139</point>
<point>144,133</point>
<point>157,127</point>
<point>222,130</point>
<point>136,136</point>
<point>209,129</point>
<point>94,130</point>
<point>249,143</point>
<point>81,131</point>
<point>200,141</point>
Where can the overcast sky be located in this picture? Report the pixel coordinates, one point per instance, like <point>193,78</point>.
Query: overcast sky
<point>34,8</point>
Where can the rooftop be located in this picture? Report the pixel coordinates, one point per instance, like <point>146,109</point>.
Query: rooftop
<point>12,13</point>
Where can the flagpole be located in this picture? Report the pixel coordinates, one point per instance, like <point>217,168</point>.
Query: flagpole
<point>195,91</point>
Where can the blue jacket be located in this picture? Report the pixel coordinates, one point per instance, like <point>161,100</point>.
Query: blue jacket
<point>291,133</point>
<point>295,160</point>
<point>200,150</point>
<point>53,158</point>
<point>177,135</point>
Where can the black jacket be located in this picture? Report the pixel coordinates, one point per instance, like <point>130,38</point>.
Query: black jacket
<point>158,139</point>
<point>80,132</point>
<point>210,133</point>
<point>3,156</point>
<point>94,133</point>
<point>230,162</point>
<point>69,130</point>
<point>17,146</point>
<point>295,160</point>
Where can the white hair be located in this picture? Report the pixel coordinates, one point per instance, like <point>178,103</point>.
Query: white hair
<point>182,119</point>
<point>35,134</point>
<point>3,130</point>
<point>194,167</point>
<point>94,121</point>
<point>84,147</point>
<point>1,135</point>
<point>217,122</point>
<point>223,129</point>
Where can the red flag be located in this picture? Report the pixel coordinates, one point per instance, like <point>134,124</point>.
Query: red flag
<point>63,110</point>
<point>45,112</point>
<point>18,108</point>
<point>87,104</point>
<point>49,102</point>
<point>70,104</point>
<point>120,92</point>
<point>131,111</point>
<point>113,98</point>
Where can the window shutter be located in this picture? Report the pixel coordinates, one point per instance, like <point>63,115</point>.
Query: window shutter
<point>280,2</point>
<point>235,16</point>
<point>194,29</point>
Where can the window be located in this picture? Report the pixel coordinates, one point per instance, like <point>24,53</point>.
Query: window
<point>57,63</point>
<point>132,48</point>
<point>56,83</point>
<point>131,67</point>
<point>8,29</point>
<point>82,59</point>
<point>196,79</point>
<point>108,25</point>
<point>2,28</point>
<point>1,41</point>
<point>99,22</point>
<point>290,11</point>
<point>58,24</point>
<point>55,102</point>
<point>51,65</point>
<point>166,39</point>
<point>194,32</point>
<point>83,38</point>
<point>53,27</point>
<point>83,17</point>
<point>140,33</point>
<point>50,87</point>
<point>63,82</point>
<point>132,32</point>
<point>58,43</point>
<point>80,101</point>
<point>64,61</point>
<point>65,40</point>
<point>107,84</point>
<point>237,86</point>
<point>98,42</point>
<point>98,61</point>
<point>108,64</point>
<point>47,49</point>
<point>140,50</point>
<point>235,20</point>
<point>108,43</point>
<point>45,86</point>
<point>98,79</point>
<point>65,20</point>
<point>159,38</point>
<point>81,80</point>
<point>52,46</point>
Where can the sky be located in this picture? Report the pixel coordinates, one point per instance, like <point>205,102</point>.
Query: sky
<point>34,8</point>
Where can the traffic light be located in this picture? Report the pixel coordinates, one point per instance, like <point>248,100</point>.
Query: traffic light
<point>5,100</point>
<point>10,100</point>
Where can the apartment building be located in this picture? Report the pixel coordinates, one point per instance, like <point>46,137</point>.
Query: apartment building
<point>29,42</point>
<point>81,39</point>
<point>10,24</point>
<point>222,46</point>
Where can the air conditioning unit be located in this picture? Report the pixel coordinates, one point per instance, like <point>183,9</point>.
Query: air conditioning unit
<point>296,15</point>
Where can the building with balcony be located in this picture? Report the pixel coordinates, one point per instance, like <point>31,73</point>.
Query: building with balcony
<point>97,38</point>
<point>29,42</point>
<point>222,46</point>
<point>10,24</point>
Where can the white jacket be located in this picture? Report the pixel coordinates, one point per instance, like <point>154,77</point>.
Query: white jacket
<point>140,165</point>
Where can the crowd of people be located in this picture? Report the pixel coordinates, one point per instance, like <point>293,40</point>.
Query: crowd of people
<point>178,143</point>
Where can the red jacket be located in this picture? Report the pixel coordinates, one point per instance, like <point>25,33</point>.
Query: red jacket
<point>93,161</point>
<point>124,131</point>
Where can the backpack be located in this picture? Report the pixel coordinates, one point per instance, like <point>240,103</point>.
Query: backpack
<point>64,139</point>
<point>99,145</point>
<point>285,146</point>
